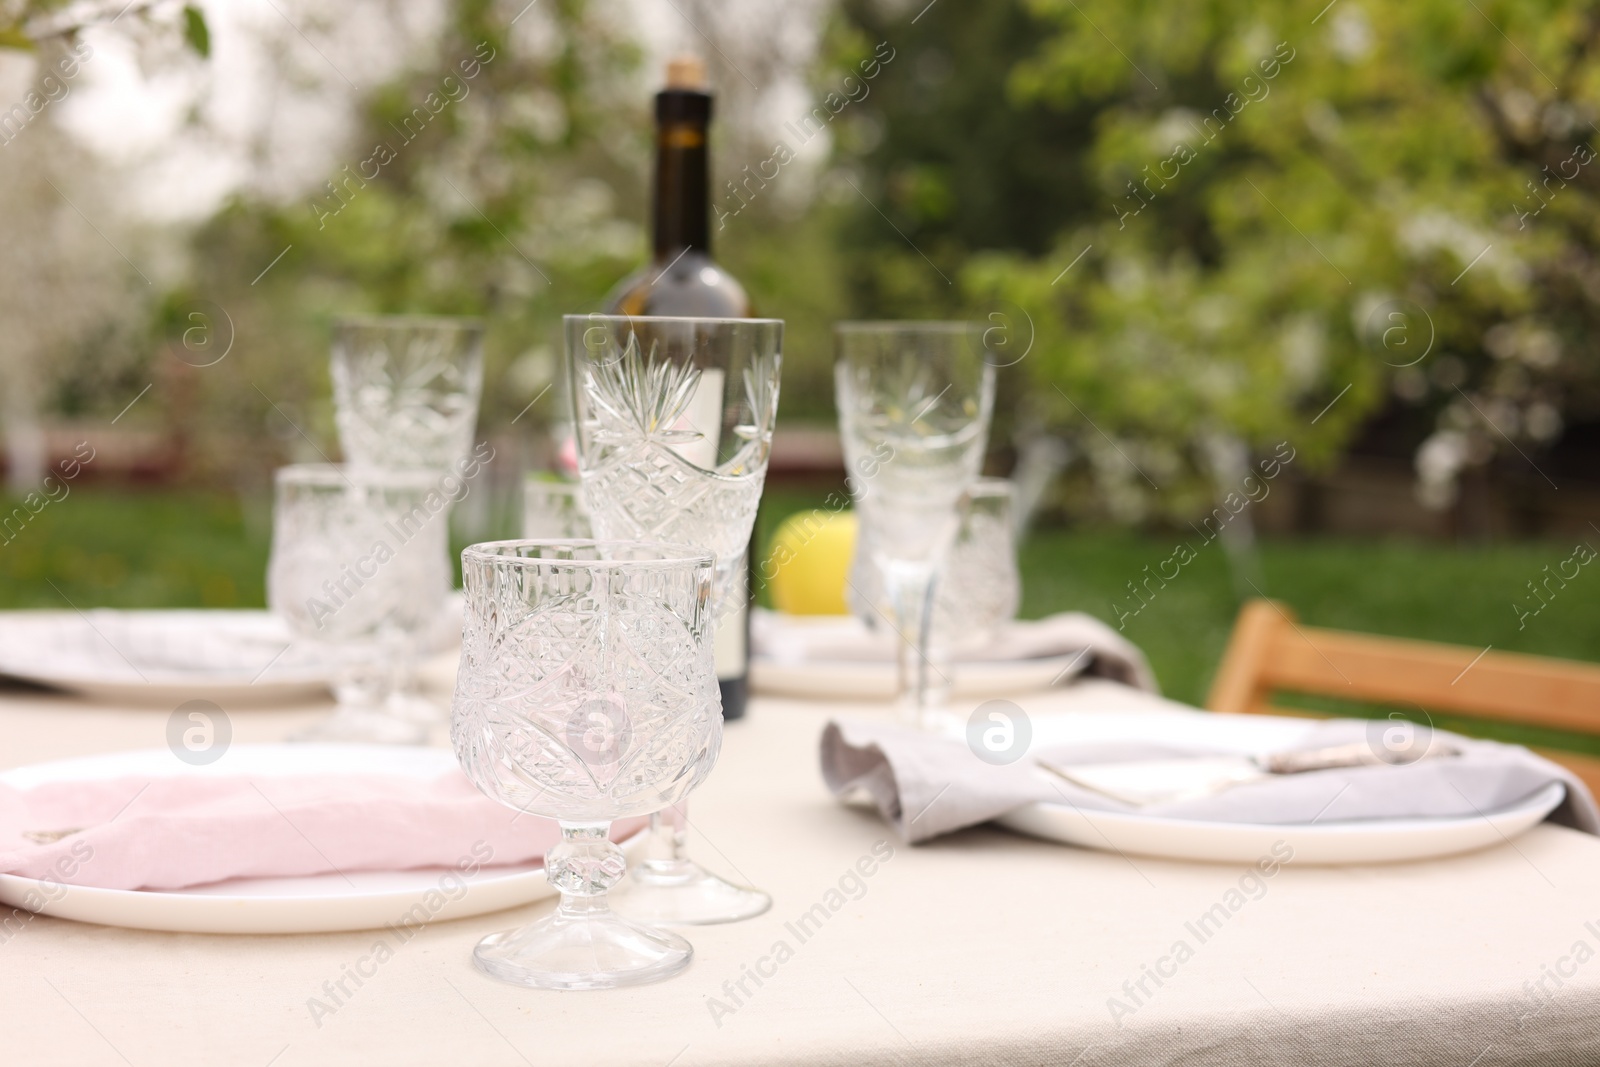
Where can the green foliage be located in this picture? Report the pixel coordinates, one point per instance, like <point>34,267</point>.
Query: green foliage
<point>25,24</point>
<point>480,182</point>
<point>792,268</point>
<point>941,150</point>
<point>1258,191</point>
<point>195,32</point>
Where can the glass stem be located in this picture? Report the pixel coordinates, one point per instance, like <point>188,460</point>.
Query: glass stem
<point>583,866</point>
<point>370,682</point>
<point>663,853</point>
<point>938,673</point>
<point>363,686</point>
<point>911,590</point>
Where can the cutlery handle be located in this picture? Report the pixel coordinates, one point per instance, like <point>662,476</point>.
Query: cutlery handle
<point>1355,754</point>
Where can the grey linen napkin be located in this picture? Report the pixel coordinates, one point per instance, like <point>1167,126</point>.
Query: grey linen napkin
<point>925,785</point>
<point>1099,651</point>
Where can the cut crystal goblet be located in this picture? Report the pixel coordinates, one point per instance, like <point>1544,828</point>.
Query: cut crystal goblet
<point>674,422</point>
<point>914,403</point>
<point>586,693</point>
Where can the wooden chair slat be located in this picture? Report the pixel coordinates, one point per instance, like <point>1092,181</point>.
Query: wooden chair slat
<point>1269,652</point>
<point>1238,683</point>
<point>1533,689</point>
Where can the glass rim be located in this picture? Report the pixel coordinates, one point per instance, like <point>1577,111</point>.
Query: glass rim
<point>669,555</point>
<point>668,318</point>
<point>322,475</point>
<point>465,323</point>
<point>905,326</point>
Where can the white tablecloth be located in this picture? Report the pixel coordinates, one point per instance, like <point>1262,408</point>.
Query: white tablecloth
<point>980,948</point>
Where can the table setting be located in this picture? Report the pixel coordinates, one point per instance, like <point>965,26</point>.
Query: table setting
<point>520,793</point>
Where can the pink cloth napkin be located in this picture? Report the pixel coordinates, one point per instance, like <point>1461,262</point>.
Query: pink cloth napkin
<point>167,833</point>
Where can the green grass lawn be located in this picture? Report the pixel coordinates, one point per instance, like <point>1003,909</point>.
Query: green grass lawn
<point>109,548</point>
<point>125,549</point>
<point>1462,595</point>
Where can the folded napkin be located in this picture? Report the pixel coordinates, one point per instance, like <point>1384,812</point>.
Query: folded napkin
<point>167,833</point>
<point>925,784</point>
<point>844,638</point>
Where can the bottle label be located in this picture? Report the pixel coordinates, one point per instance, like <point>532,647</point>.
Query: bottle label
<point>730,645</point>
<point>703,419</point>
<point>728,650</point>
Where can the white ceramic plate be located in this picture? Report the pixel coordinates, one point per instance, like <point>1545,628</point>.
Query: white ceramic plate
<point>311,904</point>
<point>232,658</point>
<point>1356,841</point>
<point>823,680</point>
<point>1371,841</point>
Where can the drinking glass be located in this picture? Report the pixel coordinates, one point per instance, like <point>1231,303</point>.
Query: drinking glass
<point>552,509</point>
<point>586,693</point>
<point>978,590</point>
<point>406,389</point>
<point>360,565</point>
<point>674,426</point>
<point>914,403</point>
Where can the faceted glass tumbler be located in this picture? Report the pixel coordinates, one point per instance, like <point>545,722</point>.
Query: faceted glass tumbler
<point>586,693</point>
<point>361,565</point>
<point>979,588</point>
<point>406,389</point>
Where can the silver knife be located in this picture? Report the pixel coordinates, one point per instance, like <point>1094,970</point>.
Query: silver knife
<point>1145,782</point>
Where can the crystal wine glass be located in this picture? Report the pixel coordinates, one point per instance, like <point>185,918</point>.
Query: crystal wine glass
<point>360,565</point>
<point>406,389</point>
<point>586,693</point>
<point>914,403</point>
<point>674,424</point>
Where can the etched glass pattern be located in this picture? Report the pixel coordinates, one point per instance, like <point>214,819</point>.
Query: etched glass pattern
<point>406,389</point>
<point>674,420</point>
<point>978,586</point>
<point>586,690</point>
<point>914,403</point>
<point>358,556</point>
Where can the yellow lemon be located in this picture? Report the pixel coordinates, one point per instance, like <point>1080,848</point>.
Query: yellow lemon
<point>809,562</point>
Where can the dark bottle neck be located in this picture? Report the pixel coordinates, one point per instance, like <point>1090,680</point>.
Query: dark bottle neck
<point>681,210</point>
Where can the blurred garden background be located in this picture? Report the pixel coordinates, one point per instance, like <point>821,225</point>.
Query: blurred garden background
<point>1363,236</point>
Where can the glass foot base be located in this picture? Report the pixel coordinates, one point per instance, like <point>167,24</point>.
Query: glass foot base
<point>598,950</point>
<point>355,724</point>
<point>685,892</point>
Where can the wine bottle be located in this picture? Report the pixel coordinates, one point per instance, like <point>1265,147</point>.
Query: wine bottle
<point>682,279</point>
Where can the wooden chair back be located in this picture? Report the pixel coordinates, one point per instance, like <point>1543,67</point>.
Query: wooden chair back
<point>1270,652</point>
